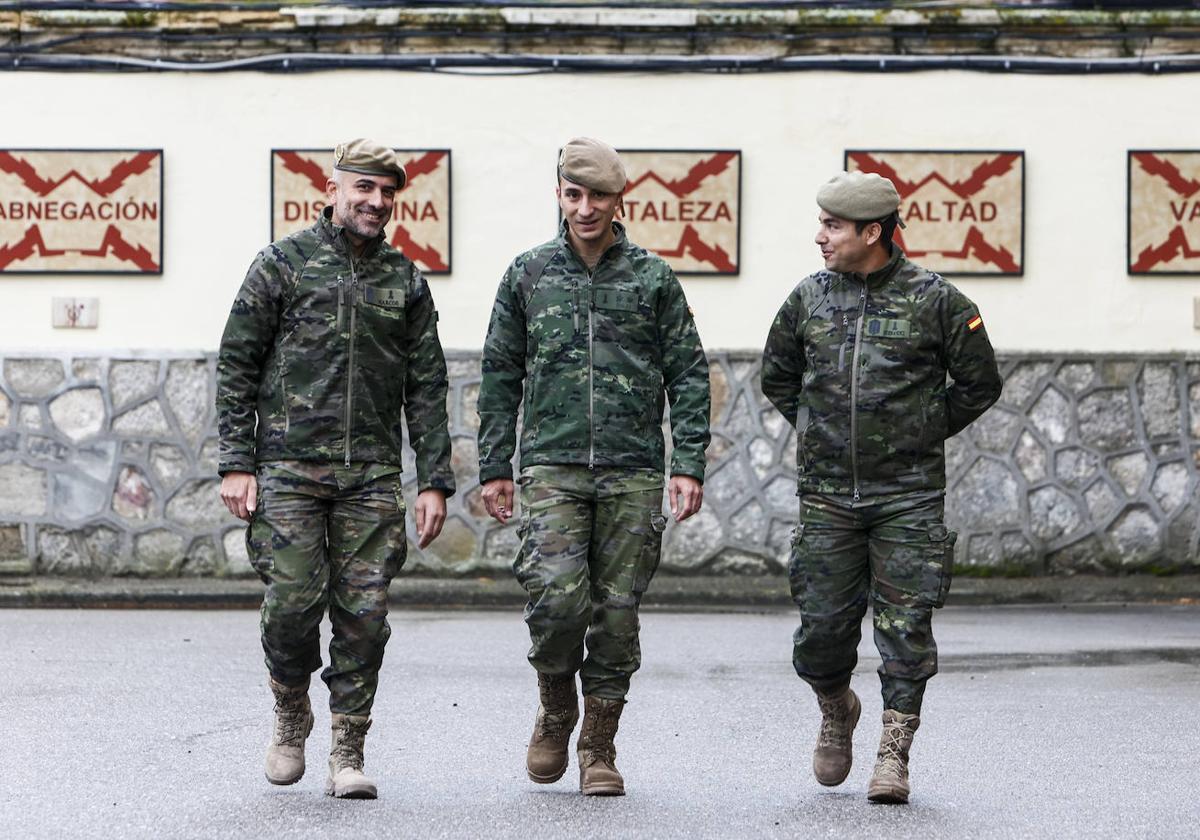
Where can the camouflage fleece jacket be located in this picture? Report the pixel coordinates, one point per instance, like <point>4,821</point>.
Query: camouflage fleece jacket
<point>321,353</point>
<point>858,365</point>
<point>589,356</point>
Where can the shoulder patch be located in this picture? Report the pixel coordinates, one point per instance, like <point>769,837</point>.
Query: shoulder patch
<point>975,323</point>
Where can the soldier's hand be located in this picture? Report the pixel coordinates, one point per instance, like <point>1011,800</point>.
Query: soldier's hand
<point>431,515</point>
<point>239,492</point>
<point>498,499</point>
<point>686,495</point>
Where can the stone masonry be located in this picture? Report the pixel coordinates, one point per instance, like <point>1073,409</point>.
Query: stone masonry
<point>1088,464</point>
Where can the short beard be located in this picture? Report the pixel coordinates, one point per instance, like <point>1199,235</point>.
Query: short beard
<point>354,227</point>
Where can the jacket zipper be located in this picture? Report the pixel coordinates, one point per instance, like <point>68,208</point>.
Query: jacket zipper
<point>350,371</point>
<point>862,312</point>
<point>842,347</point>
<point>341,292</point>
<point>591,304</point>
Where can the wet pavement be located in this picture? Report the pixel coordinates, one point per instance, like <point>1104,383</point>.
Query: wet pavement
<point>1044,721</point>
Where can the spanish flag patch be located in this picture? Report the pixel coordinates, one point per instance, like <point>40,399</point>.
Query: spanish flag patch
<point>975,323</point>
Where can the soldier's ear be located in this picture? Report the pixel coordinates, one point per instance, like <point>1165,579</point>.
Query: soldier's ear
<point>873,231</point>
<point>620,207</point>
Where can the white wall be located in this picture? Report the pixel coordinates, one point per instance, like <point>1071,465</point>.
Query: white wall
<point>216,131</point>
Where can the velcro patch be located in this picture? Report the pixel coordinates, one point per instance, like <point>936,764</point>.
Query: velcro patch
<point>975,323</point>
<point>615,299</point>
<point>888,328</point>
<point>388,298</point>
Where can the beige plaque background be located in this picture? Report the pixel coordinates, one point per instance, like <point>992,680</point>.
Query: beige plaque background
<point>81,211</point>
<point>1164,212</point>
<point>684,206</point>
<point>420,225</point>
<point>964,211</point>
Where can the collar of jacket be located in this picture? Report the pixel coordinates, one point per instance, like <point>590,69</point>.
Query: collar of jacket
<point>618,243</point>
<point>882,275</point>
<point>334,233</point>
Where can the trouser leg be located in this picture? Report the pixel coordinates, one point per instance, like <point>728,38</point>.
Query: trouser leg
<point>552,565</point>
<point>828,574</point>
<point>911,562</point>
<point>367,547</point>
<point>286,542</point>
<point>624,554</point>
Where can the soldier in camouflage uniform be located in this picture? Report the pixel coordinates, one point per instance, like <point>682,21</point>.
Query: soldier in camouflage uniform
<point>588,334</point>
<point>857,360</point>
<point>332,335</point>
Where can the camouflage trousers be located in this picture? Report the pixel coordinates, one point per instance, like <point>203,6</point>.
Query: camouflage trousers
<point>327,537</point>
<point>894,550</point>
<point>590,543</point>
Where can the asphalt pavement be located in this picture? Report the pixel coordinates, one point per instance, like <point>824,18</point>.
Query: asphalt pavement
<point>1045,722</point>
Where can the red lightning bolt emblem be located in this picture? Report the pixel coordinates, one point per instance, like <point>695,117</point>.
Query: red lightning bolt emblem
<point>112,244</point>
<point>1176,245</point>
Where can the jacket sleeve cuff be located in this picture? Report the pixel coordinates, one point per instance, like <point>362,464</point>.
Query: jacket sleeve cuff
<point>489,472</point>
<point>233,464</point>
<point>446,485</point>
<point>689,468</point>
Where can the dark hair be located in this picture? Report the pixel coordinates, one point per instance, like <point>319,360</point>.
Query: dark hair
<point>888,223</point>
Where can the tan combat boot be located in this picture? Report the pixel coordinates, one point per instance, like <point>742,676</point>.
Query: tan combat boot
<point>293,722</point>
<point>557,714</point>
<point>889,782</point>
<point>346,777</point>
<point>597,754</point>
<point>834,753</point>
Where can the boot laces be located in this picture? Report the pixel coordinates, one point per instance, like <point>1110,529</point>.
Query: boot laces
<point>348,750</point>
<point>556,722</point>
<point>893,751</point>
<point>835,723</point>
<point>598,742</point>
<point>290,723</point>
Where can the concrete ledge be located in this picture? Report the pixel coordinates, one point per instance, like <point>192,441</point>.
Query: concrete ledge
<point>504,593</point>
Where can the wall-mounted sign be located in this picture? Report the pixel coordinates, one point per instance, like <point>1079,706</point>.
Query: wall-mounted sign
<point>420,225</point>
<point>964,211</point>
<point>685,206</point>
<point>1164,212</point>
<point>81,211</point>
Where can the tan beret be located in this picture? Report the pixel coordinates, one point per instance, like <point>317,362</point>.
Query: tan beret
<point>369,158</point>
<point>858,196</point>
<point>593,164</point>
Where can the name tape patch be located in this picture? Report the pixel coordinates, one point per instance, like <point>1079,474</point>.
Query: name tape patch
<point>888,328</point>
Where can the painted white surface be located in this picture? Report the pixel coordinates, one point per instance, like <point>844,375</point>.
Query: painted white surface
<point>216,132</point>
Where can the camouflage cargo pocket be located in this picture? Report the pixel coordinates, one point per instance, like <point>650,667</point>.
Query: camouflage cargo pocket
<point>398,539</point>
<point>797,568</point>
<point>522,533</point>
<point>651,553</point>
<point>258,544</point>
<point>939,565</point>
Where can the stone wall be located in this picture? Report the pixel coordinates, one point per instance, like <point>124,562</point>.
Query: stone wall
<point>1088,464</point>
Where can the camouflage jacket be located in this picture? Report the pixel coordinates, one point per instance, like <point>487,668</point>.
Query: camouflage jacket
<point>589,356</point>
<point>321,353</point>
<point>858,365</point>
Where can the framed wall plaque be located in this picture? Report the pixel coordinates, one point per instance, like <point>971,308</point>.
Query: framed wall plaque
<point>964,211</point>
<point>420,224</point>
<point>686,207</point>
<point>1164,212</point>
<point>81,211</point>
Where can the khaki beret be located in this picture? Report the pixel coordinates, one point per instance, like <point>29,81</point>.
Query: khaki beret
<point>592,163</point>
<point>369,158</point>
<point>858,196</point>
